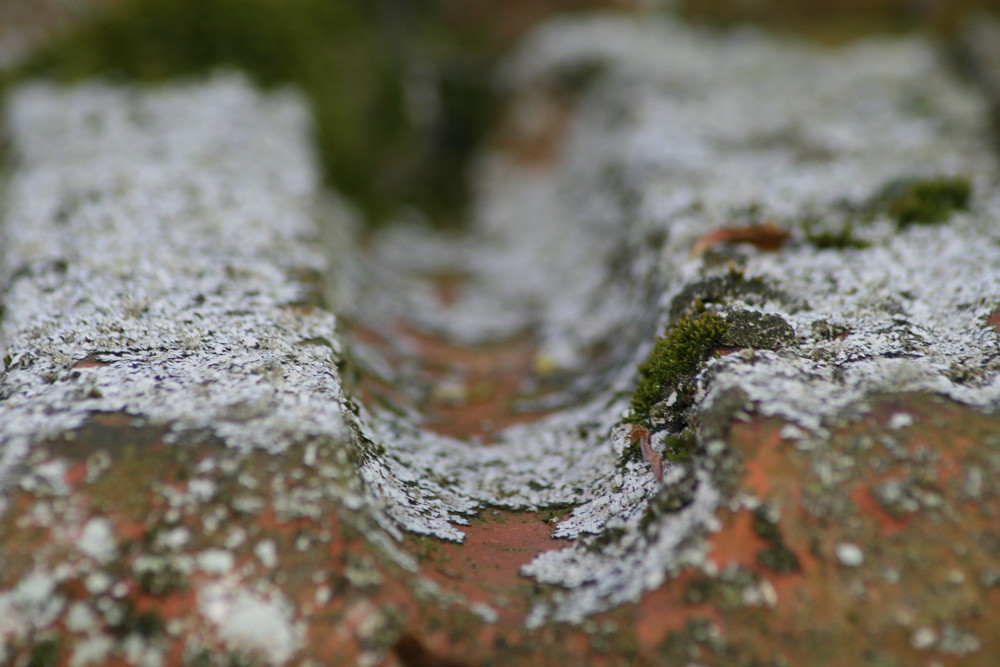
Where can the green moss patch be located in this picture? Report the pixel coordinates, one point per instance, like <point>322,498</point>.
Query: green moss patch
<point>46,653</point>
<point>674,361</point>
<point>749,328</point>
<point>924,200</point>
<point>907,201</point>
<point>723,290</point>
<point>680,448</point>
<point>670,498</point>
<point>777,557</point>
<point>842,238</point>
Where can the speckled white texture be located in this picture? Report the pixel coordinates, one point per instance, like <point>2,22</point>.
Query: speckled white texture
<point>154,233</point>
<point>681,131</point>
<point>30,605</point>
<point>916,306</point>
<point>602,577</point>
<point>696,127</point>
<point>92,651</point>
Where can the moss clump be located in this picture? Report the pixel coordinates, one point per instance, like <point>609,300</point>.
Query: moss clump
<point>610,535</point>
<point>777,556</point>
<point>131,621</point>
<point>839,239</point>
<point>671,498</point>
<point>720,291</point>
<point>675,360</point>
<point>925,200</point>
<point>632,453</point>
<point>162,581</point>
<point>353,63</point>
<point>680,448</point>
<point>45,653</point>
<point>763,331</point>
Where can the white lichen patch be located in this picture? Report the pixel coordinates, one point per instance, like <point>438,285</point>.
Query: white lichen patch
<point>682,133</point>
<point>215,561</point>
<point>643,545</point>
<point>267,553</point>
<point>258,623</point>
<point>145,235</point>
<point>849,555</point>
<point>92,651</point>
<point>31,605</point>
<point>97,540</point>
<point>915,306</point>
<point>699,129</point>
<point>148,259</point>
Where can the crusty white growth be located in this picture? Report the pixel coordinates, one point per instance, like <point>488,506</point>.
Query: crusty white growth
<point>916,307</point>
<point>97,540</point>
<point>713,126</point>
<point>603,576</point>
<point>153,233</point>
<point>691,129</point>
<point>148,254</point>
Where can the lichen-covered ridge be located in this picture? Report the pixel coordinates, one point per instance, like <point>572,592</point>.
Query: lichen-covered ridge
<point>199,460</point>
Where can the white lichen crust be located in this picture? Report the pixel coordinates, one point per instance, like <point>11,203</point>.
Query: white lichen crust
<point>682,133</point>
<point>678,134</point>
<point>150,244</point>
<point>152,236</point>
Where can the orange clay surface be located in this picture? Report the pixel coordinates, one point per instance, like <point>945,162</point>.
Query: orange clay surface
<point>922,569</point>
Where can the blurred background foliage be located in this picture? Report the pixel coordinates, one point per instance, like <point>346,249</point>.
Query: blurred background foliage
<point>401,90</point>
<point>340,54</point>
<point>837,21</point>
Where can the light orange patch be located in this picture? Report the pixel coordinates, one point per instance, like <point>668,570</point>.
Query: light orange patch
<point>489,379</point>
<point>736,543</point>
<point>863,497</point>
<point>486,566</point>
<point>994,321</point>
<point>765,236</point>
<point>664,610</point>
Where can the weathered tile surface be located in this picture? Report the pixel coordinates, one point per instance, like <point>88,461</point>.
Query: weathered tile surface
<point>187,480</point>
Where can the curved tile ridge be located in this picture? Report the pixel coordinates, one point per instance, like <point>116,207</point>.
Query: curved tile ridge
<point>148,259</point>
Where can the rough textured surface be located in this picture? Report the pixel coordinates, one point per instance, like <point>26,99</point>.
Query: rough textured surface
<point>150,265</point>
<point>186,479</point>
